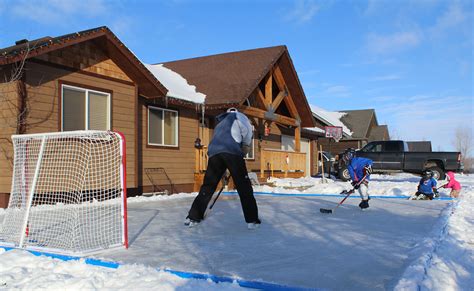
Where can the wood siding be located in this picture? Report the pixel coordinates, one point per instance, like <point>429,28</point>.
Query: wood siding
<point>44,87</point>
<point>86,57</point>
<point>178,162</point>
<point>8,115</point>
<point>84,66</point>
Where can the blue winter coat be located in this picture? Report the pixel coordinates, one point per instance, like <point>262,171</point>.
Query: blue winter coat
<point>356,168</point>
<point>426,186</point>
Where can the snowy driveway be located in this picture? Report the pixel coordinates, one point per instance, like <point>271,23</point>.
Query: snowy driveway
<point>295,246</point>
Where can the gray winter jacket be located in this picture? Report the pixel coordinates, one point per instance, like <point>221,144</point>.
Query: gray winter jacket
<point>231,133</point>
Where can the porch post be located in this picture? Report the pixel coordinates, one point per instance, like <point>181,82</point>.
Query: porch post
<point>297,139</point>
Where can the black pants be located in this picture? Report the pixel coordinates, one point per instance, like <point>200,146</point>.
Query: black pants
<point>215,170</point>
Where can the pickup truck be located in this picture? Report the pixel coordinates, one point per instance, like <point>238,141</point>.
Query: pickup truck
<point>393,156</point>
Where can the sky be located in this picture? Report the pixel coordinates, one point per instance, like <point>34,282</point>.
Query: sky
<point>411,61</point>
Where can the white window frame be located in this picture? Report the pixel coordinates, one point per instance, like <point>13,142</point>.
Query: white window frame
<point>253,147</point>
<point>86,125</point>
<point>163,132</point>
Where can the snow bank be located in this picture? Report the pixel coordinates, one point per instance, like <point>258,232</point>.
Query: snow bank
<point>177,85</point>
<point>447,259</point>
<point>402,184</point>
<point>23,270</point>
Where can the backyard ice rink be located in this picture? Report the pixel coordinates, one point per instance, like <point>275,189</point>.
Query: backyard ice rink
<point>396,244</point>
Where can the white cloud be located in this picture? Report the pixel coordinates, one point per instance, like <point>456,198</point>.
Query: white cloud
<point>424,116</point>
<point>452,17</point>
<point>385,44</point>
<point>390,77</point>
<point>303,11</point>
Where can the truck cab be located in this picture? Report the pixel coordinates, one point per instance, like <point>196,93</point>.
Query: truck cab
<point>391,151</point>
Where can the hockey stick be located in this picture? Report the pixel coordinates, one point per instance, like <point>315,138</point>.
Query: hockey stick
<point>327,211</point>
<point>226,180</point>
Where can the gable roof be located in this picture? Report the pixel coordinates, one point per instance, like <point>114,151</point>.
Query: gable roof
<point>379,133</point>
<point>148,85</point>
<point>330,119</point>
<point>358,121</point>
<point>228,79</point>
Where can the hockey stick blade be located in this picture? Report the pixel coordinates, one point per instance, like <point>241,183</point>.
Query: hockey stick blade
<point>323,210</point>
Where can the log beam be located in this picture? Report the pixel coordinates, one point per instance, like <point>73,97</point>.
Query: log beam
<point>266,115</point>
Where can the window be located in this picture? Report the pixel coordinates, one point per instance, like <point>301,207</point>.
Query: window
<point>251,154</point>
<point>84,109</point>
<point>392,146</point>
<point>373,147</point>
<point>162,127</point>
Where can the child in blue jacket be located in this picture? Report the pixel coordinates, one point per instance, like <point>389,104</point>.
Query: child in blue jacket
<point>426,187</point>
<point>359,169</point>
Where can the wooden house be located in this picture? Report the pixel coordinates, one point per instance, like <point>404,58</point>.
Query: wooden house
<point>49,85</point>
<point>263,84</point>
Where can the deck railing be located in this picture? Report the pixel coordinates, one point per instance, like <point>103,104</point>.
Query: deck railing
<point>272,160</point>
<point>282,161</point>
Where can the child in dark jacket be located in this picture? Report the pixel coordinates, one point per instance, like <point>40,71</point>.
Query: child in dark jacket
<point>453,184</point>
<point>426,187</point>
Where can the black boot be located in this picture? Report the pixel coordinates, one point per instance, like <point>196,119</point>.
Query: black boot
<point>364,204</point>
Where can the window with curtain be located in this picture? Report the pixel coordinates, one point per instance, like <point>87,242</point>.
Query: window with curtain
<point>162,127</point>
<point>84,109</point>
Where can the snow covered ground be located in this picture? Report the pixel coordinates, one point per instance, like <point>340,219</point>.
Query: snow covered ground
<point>397,244</point>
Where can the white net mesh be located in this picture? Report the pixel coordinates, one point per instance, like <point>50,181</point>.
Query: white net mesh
<point>67,192</point>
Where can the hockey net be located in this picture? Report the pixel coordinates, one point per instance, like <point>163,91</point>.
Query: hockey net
<point>68,193</point>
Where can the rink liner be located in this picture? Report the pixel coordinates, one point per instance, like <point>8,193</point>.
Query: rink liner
<point>184,275</point>
<point>331,195</point>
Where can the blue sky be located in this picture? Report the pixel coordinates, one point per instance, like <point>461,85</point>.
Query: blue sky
<point>412,61</point>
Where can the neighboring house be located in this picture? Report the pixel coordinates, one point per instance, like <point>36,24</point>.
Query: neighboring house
<point>364,127</point>
<point>358,128</point>
<point>90,80</point>
<point>379,133</point>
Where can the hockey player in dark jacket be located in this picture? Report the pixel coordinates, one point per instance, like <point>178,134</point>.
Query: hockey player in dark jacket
<point>231,141</point>
<point>359,169</point>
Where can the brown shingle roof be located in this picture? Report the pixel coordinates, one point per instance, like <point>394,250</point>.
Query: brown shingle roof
<point>358,121</point>
<point>227,78</point>
<point>230,78</point>
<point>379,133</point>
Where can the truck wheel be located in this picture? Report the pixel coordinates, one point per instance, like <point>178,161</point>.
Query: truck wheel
<point>438,173</point>
<point>344,174</point>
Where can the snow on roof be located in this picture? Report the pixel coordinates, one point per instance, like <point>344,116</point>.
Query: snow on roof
<point>331,118</point>
<point>178,87</point>
<point>315,129</point>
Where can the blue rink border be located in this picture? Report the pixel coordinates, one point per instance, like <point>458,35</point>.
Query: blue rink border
<point>185,275</point>
<point>332,195</point>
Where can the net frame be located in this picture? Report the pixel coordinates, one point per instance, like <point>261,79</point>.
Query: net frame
<point>81,202</point>
<point>334,132</point>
